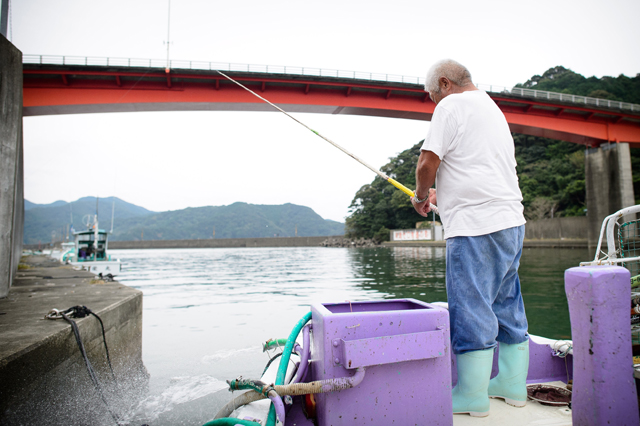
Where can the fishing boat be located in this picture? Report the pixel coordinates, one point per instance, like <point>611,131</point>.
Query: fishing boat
<point>90,251</point>
<point>389,362</point>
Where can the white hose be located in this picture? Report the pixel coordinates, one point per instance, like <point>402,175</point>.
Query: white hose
<point>319,386</point>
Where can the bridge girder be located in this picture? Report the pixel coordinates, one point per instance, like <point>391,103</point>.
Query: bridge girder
<point>58,89</point>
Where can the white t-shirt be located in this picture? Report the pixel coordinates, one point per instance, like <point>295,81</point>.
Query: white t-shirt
<point>477,184</point>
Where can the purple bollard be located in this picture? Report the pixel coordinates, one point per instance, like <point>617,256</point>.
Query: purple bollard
<point>604,391</point>
<point>403,346</point>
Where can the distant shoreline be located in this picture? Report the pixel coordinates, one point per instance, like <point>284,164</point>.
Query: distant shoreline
<point>329,241</point>
<point>223,243</point>
<point>573,243</point>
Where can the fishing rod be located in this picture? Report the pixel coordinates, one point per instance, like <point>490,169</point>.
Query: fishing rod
<point>392,181</point>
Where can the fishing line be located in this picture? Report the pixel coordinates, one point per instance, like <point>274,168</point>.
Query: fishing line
<point>392,181</point>
<point>134,85</point>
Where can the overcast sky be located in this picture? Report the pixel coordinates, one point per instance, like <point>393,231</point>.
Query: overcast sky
<point>173,160</point>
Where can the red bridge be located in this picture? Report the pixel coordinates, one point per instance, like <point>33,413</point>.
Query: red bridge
<point>85,85</point>
<point>63,85</point>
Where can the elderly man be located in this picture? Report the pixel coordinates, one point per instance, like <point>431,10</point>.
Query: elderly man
<point>469,152</point>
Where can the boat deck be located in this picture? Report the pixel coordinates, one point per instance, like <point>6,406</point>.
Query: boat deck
<point>533,413</point>
<point>501,414</point>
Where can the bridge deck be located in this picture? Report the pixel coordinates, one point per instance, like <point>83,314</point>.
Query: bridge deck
<point>71,89</point>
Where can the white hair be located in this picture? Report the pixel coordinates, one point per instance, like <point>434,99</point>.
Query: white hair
<point>457,73</point>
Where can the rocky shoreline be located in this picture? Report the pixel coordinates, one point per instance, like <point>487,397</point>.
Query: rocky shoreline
<point>349,243</point>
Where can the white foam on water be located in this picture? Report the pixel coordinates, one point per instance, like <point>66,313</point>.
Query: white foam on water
<point>217,356</point>
<point>182,390</point>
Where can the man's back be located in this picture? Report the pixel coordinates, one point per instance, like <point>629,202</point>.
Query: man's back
<point>477,184</point>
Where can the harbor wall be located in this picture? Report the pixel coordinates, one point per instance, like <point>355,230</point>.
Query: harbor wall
<point>556,232</point>
<point>224,243</point>
<point>557,228</point>
<point>567,232</point>
<point>11,163</point>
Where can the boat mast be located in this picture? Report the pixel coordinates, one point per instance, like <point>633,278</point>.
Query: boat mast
<point>113,210</point>
<point>71,221</point>
<point>168,37</point>
<point>95,229</point>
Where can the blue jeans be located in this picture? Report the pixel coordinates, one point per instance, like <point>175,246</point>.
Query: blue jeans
<point>483,290</point>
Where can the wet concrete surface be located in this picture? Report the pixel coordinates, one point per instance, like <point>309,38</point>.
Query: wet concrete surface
<point>41,369</point>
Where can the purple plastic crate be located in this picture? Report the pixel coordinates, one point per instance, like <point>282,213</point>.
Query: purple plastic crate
<point>405,350</point>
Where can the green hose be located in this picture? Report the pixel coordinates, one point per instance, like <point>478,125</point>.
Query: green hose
<point>284,361</point>
<point>288,348</point>
<point>228,421</point>
<point>273,343</point>
<point>282,371</point>
<point>243,384</point>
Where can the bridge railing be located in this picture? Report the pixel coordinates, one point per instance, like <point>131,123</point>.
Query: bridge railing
<point>555,96</point>
<point>202,65</point>
<point>574,99</point>
<point>315,72</point>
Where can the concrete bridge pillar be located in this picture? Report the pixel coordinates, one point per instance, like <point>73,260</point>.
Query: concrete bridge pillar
<point>609,184</point>
<point>11,171</point>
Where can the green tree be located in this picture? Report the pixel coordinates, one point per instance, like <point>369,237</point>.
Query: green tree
<point>550,172</point>
<point>551,176</point>
<point>378,207</point>
<point>563,80</point>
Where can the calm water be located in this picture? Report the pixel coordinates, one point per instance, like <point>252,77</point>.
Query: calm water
<point>207,311</point>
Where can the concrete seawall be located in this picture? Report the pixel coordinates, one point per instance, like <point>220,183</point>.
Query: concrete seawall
<point>547,233</point>
<point>11,163</point>
<point>561,232</point>
<point>549,243</point>
<point>43,376</point>
<point>557,228</point>
<point>223,243</point>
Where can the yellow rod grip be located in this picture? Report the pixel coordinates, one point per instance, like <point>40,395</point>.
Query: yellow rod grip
<point>401,187</point>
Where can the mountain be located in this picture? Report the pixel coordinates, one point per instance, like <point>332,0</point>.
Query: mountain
<point>41,221</point>
<point>29,205</point>
<point>238,220</point>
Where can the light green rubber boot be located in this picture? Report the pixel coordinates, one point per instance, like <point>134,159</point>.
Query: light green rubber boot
<point>470,394</point>
<point>511,382</point>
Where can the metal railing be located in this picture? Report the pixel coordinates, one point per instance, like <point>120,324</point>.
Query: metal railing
<point>555,96</point>
<point>530,93</point>
<point>314,72</point>
<point>201,65</point>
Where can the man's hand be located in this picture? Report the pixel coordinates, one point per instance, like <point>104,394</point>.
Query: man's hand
<point>424,208</point>
<point>428,164</point>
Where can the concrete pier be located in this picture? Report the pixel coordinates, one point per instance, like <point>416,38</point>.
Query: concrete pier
<point>609,184</point>
<point>43,377</point>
